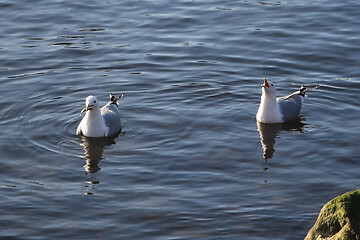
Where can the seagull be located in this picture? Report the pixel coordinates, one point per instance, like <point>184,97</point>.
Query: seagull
<point>282,109</point>
<point>100,122</point>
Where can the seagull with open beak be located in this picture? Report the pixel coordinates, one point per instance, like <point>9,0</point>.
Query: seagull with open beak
<point>282,109</point>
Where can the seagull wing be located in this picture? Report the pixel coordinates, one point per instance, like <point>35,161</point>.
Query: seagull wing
<point>290,106</point>
<point>111,116</point>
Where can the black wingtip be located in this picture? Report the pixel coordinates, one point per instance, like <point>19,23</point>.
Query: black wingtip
<point>302,90</point>
<point>113,99</point>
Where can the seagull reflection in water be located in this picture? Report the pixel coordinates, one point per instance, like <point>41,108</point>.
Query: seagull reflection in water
<point>94,148</point>
<point>269,132</point>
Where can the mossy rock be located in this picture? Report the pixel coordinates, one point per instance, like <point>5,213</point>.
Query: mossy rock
<point>339,219</point>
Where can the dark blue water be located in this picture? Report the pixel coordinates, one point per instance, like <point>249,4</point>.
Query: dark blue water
<point>189,163</point>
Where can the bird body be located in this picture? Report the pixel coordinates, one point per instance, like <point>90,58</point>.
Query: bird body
<point>100,122</point>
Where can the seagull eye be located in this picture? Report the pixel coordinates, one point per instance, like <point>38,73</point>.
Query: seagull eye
<point>94,101</point>
<point>272,84</point>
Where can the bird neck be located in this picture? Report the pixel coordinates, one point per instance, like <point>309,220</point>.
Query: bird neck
<point>269,93</point>
<point>94,119</point>
<point>94,111</point>
<point>269,111</point>
<point>270,98</point>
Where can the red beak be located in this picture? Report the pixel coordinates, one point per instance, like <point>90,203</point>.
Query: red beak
<point>266,84</point>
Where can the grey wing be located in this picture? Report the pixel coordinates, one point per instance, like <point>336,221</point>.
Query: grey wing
<point>111,116</point>
<point>290,106</point>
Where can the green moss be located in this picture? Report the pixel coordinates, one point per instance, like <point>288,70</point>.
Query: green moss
<point>338,219</point>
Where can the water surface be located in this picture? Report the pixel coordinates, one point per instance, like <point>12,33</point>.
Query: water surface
<point>189,163</point>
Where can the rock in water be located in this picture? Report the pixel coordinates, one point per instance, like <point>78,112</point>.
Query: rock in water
<point>338,219</point>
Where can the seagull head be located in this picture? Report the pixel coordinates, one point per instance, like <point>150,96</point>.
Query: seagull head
<point>268,87</point>
<point>90,103</point>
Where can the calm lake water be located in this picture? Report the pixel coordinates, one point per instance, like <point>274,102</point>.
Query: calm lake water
<point>189,163</point>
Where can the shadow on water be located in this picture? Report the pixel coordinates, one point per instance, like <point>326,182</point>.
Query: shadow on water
<point>269,132</point>
<point>94,148</point>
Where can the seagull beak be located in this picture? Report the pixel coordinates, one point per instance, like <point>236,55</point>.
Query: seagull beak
<point>86,109</point>
<point>266,84</point>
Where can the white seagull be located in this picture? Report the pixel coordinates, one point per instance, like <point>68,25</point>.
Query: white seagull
<point>282,109</point>
<point>100,122</point>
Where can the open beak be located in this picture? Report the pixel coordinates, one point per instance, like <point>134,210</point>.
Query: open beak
<point>86,109</point>
<point>266,84</point>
